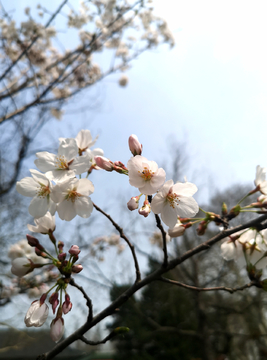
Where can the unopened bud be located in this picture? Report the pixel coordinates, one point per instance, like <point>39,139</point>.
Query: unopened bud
<point>60,246</point>
<point>234,211</point>
<point>67,305</point>
<point>40,253</point>
<point>104,163</point>
<point>74,250</point>
<point>54,301</point>
<point>133,203</point>
<point>32,241</point>
<point>61,256</point>
<point>224,209</point>
<point>145,209</point>
<point>134,145</point>
<point>202,228</point>
<point>76,268</point>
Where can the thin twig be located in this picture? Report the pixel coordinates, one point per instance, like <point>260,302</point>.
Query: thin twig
<point>88,300</point>
<point>123,236</point>
<point>32,42</point>
<point>217,288</point>
<point>164,248</point>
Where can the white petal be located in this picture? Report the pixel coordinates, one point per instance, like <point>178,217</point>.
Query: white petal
<point>83,206</point>
<point>39,177</point>
<point>85,187</point>
<point>187,207</point>
<point>169,216</point>
<point>80,165</point>
<point>38,206</point>
<point>158,203</point>
<point>228,250</point>
<point>68,148</point>
<point>27,187</point>
<point>66,210</point>
<point>46,161</point>
<point>185,189</point>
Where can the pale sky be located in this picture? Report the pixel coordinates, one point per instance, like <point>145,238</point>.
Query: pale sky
<point>210,90</point>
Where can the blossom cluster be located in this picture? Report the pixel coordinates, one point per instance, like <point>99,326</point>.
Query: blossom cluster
<point>61,189</point>
<point>58,189</point>
<point>100,26</point>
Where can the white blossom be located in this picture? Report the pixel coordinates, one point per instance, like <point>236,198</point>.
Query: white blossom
<point>72,198</point>
<point>260,179</point>
<point>174,200</point>
<point>38,187</point>
<point>64,164</point>
<point>44,224</point>
<point>145,175</point>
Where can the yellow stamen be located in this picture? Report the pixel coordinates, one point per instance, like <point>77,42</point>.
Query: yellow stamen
<point>146,174</point>
<point>173,199</point>
<point>72,195</point>
<point>61,163</point>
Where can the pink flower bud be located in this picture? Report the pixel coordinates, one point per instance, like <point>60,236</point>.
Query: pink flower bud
<point>76,268</point>
<point>32,241</point>
<point>74,250</point>
<point>67,305</point>
<point>61,256</point>
<point>134,145</point>
<point>133,203</point>
<point>54,301</point>
<point>57,329</point>
<point>104,163</point>
<point>145,209</point>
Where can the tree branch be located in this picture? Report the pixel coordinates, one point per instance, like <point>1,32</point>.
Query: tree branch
<point>88,300</point>
<point>230,290</point>
<point>123,236</point>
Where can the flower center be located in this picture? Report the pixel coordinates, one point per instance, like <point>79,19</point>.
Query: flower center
<point>72,195</point>
<point>61,163</point>
<point>146,174</point>
<point>43,191</point>
<point>173,199</point>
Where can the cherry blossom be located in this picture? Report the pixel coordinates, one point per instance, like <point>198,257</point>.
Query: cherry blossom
<point>44,224</point>
<point>252,242</point>
<point>38,187</point>
<point>145,175</point>
<point>174,200</point>
<point>84,140</point>
<point>260,179</point>
<point>64,164</point>
<point>72,198</point>
<point>37,314</point>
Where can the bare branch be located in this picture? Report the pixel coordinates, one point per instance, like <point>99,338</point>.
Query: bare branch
<point>32,42</point>
<point>230,290</point>
<point>123,236</point>
<point>88,300</point>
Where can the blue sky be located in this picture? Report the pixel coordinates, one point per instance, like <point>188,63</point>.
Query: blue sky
<point>210,90</point>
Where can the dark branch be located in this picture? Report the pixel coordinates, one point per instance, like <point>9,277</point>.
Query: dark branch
<point>123,236</point>
<point>230,290</point>
<point>88,300</point>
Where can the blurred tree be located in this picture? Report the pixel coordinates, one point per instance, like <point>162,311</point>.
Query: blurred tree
<point>172,322</point>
